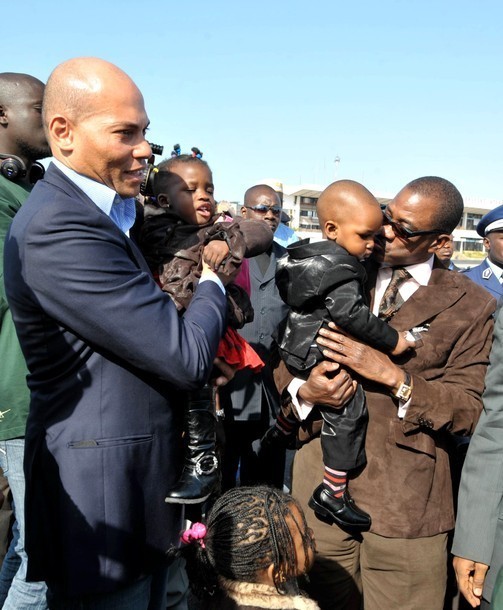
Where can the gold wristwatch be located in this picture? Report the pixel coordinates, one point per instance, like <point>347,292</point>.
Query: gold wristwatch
<point>405,390</point>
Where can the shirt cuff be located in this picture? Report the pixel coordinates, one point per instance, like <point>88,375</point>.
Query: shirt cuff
<point>212,277</point>
<point>302,407</point>
<point>402,408</point>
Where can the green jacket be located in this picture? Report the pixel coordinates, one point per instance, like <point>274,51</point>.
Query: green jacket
<point>14,393</point>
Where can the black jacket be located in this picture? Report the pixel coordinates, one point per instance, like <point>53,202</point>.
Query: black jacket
<point>321,282</point>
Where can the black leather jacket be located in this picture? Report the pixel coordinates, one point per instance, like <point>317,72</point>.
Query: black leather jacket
<point>321,282</point>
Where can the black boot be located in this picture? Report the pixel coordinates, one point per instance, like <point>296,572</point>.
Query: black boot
<point>274,439</point>
<point>342,511</point>
<point>200,475</point>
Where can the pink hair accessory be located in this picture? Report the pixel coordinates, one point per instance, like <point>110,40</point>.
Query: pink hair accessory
<point>196,532</point>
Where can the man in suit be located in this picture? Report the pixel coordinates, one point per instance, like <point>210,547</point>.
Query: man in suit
<point>413,401</point>
<point>489,274</point>
<point>478,536</point>
<point>251,400</point>
<point>106,353</point>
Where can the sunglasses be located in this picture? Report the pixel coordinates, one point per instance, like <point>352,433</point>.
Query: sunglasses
<point>404,233</point>
<point>263,209</point>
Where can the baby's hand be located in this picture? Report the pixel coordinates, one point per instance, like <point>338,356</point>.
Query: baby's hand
<point>214,253</point>
<point>405,341</point>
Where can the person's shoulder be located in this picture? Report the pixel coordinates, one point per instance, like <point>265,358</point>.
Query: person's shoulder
<point>470,291</point>
<point>476,270</point>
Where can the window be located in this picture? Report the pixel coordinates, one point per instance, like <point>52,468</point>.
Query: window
<point>472,220</point>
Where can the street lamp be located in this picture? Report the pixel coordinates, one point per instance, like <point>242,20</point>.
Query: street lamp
<point>337,161</point>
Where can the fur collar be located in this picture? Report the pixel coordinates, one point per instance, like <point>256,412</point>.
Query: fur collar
<point>264,596</point>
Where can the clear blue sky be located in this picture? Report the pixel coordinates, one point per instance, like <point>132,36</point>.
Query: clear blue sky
<point>397,89</point>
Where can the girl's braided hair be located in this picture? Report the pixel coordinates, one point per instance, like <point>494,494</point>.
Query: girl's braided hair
<point>247,531</point>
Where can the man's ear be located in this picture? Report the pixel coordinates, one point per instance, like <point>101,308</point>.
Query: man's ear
<point>330,230</point>
<point>439,242</point>
<point>61,133</point>
<point>3,115</point>
<point>487,244</point>
<point>243,212</point>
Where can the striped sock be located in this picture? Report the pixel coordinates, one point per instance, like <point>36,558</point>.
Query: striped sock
<point>285,424</point>
<point>335,481</point>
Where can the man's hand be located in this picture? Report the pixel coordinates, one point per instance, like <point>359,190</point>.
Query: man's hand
<point>470,576</point>
<point>327,384</point>
<point>363,359</point>
<point>227,372</point>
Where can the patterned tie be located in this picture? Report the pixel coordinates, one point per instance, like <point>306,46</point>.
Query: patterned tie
<point>391,300</point>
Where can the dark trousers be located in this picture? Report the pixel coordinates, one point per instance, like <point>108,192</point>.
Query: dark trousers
<point>343,433</point>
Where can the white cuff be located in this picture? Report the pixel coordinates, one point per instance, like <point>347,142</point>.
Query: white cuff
<point>402,408</point>
<point>212,277</point>
<point>302,407</point>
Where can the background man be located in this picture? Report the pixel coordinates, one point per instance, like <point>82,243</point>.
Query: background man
<point>106,352</point>
<point>412,402</point>
<point>489,274</point>
<point>251,400</point>
<point>445,252</point>
<point>478,536</point>
<point>21,135</point>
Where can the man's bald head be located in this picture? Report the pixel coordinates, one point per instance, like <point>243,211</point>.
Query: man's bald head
<point>342,199</point>
<point>96,122</point>
<point>12,83</point>
<point>78,87</point>
<point>269,203</point>
<point>256,192</point>
<point>21,130</point>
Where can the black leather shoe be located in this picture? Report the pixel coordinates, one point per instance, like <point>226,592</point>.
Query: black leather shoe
<point>342,511</point>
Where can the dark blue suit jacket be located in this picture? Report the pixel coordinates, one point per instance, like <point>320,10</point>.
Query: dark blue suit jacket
<point>107,355</point>
<point>483,276</point>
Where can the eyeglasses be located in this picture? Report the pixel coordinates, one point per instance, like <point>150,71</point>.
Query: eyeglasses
<point>263,209</point>
<point>404,233</point>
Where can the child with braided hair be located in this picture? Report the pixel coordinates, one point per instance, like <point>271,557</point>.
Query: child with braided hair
<point>250,553</point>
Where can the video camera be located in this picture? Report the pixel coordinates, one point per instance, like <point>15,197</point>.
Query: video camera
<point>147,186</point>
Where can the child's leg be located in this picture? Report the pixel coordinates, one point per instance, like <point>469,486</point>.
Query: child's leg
<point>201,474</point>
<point>343,448</point>
<point>281,434</point>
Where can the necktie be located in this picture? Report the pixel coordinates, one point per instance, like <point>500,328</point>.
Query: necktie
<point>391,300</point>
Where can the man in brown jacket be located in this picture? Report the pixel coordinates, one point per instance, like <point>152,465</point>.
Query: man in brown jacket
<point>414,402</point>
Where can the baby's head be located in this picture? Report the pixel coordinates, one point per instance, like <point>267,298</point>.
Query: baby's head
<point>258,535</point>
<point>351,216</point>
<point>185,184</point>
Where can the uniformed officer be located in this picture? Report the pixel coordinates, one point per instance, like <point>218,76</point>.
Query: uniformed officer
<point>489,274</point>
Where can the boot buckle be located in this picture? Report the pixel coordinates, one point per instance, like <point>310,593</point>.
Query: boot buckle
<point>206,465</point>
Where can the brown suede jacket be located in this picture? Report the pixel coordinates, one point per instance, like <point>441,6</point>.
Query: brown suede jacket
<point>406,485</point>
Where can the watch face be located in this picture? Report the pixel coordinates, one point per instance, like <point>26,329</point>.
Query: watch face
<point>404,392</point>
